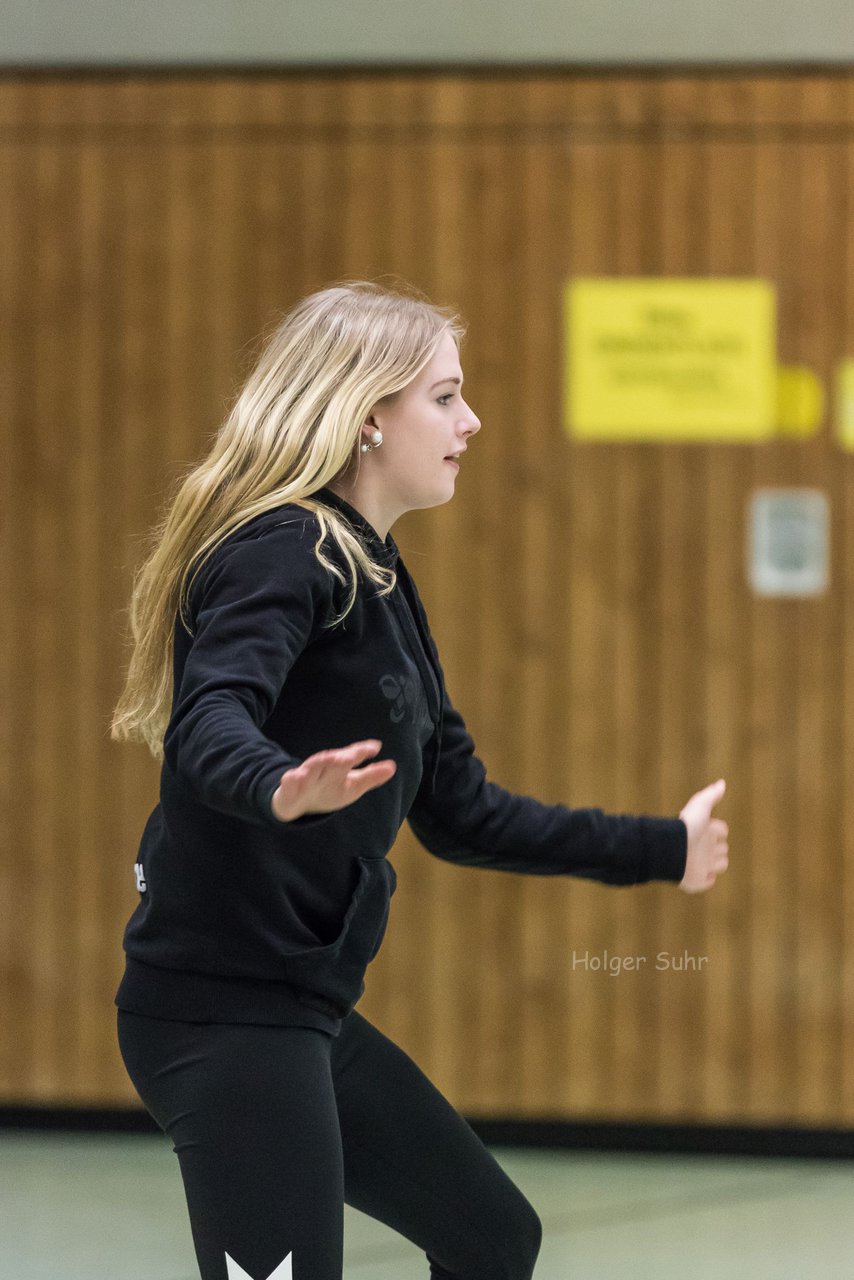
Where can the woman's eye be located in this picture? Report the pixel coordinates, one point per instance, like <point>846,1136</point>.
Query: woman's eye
<point>448,396</point>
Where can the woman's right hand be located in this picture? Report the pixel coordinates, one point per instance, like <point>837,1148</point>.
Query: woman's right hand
<point>708,839</point>
<point>329,780</point>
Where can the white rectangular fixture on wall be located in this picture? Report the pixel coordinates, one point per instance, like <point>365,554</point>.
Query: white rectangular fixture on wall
<point>789,542</point>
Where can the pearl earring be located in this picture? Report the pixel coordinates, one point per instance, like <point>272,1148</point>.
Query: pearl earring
<point>377,438</point>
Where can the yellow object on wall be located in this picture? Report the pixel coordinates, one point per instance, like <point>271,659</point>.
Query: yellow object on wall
<point>800,401</point>
<point>651,359</point>
<point>845,405</point>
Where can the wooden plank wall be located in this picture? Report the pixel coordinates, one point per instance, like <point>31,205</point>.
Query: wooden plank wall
<point>590,602</point>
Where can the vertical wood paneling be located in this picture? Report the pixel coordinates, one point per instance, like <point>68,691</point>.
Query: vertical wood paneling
<point>677,998</point>
<point>12,335</point>
<point>544,717</point>
<point>636,517</point>
<point>501,676</point>
<point>720,689</point>
<point>769,979</point>
<point>589,500</point>
<point>815,672</point>
<point>10,288</point>
<point>87,900</point>
<point>844,561</point>
<point>52,956</point>
<point>153,229</point>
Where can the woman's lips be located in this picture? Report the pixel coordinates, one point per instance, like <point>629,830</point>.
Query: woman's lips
<point>453,462</point>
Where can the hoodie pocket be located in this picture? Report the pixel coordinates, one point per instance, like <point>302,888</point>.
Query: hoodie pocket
<point>336,970</point>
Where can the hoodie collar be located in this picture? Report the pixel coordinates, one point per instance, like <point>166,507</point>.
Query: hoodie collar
<point>385,553</point>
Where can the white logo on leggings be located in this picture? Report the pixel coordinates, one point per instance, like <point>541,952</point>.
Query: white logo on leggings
<point>283,1270</point>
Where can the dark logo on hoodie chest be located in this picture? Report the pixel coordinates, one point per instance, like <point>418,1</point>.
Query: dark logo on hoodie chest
<point>407,698</point>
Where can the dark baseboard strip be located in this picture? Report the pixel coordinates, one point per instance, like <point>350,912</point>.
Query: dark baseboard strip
<point>79,1119</point>
<point>570,1135</point>
<point>668,1139</point>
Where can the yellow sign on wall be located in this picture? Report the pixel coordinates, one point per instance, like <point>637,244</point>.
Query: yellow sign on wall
<point>670,359</point>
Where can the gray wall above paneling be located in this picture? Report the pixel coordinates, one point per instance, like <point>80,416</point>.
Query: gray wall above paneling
<point>305,32</point>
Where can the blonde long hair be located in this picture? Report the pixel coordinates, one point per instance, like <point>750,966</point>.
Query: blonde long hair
<point>293,428</point>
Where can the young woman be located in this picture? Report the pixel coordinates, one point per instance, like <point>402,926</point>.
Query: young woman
<point>280,646</point>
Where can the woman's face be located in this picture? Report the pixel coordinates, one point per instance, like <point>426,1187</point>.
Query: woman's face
<point>428,420</point>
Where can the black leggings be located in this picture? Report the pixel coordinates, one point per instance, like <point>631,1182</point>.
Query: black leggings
<point>276,1128</point>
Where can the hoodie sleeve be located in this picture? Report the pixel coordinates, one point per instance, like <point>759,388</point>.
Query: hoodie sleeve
<point>258,601</point>
<point>476,823</point>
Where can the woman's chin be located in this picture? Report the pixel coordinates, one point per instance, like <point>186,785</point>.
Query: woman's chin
<point>444,496</point>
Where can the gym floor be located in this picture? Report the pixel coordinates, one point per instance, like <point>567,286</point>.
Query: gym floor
<point>110,1207</point>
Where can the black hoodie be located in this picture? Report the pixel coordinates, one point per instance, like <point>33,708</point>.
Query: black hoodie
<point>245,918</point>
